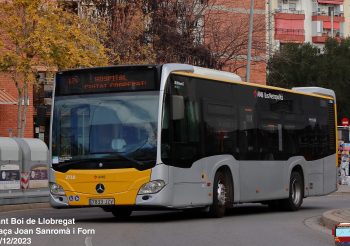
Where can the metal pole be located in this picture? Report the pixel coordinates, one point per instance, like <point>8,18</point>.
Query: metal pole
<point>270,28</point>
<point>332,23</point>
<point>250,37</point>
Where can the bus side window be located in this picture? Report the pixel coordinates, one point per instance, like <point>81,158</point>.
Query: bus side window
<point>247,134</point>
<point>270,140</point>
<point>220,128</point>
<point>290,139</point>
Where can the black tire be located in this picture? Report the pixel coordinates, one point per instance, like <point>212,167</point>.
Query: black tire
<point>296,193</point>
<point>220,193</point>
<point>121,212</point>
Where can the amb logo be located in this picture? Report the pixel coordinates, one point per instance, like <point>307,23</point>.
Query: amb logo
<point>268,95</point>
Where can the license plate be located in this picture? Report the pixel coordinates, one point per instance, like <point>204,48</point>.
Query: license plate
<point>104,201</point>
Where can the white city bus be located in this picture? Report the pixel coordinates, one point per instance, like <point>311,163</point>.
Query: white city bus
<point>177,136</point>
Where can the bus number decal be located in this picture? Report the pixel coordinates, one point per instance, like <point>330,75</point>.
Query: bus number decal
<point>70,177</point>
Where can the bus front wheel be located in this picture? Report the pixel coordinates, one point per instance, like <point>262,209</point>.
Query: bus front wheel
<point>220,193</point>
<point>296,192</point>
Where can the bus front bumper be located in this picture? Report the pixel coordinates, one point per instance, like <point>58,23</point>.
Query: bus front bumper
<point>74,199</point>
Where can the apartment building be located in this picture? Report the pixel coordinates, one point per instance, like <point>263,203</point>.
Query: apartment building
<point>310,21</point>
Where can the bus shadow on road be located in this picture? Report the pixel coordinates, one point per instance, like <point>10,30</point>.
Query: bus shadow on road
<point>183,215</point>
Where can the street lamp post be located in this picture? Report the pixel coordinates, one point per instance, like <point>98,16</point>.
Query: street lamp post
<point>250,37</point>
<point>269,19</point>
<point>332,23</point>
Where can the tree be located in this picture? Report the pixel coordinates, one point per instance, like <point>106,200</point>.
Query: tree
<point>126,25</point>
<point>38,33</point>
<point>303,65</point>
<point>294,65</point>
<point>176,30</point>
<point>226,36</point>
<point>127,33</point>
<point>335,73</point>
<point>185,31</point>
<point>201,33</point>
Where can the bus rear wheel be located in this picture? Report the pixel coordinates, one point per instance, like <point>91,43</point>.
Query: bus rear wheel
<point>121,212</point>
<point>296,192</point>
<point>220,195</point>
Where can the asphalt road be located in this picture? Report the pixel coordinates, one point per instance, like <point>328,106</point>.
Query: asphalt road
<point>250,224</point>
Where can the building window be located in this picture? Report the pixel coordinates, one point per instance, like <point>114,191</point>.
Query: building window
<point>292,6</point>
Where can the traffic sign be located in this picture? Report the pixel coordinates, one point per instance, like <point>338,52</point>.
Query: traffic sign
<point>345,121</point>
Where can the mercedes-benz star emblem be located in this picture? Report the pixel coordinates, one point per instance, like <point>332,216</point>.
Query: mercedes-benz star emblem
<point>100,188</point>
<point>100,164</point>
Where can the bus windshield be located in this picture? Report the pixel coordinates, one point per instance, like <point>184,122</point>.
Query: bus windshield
<point>92,128</point>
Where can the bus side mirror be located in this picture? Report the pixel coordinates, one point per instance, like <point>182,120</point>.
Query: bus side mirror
<point>178,107</point>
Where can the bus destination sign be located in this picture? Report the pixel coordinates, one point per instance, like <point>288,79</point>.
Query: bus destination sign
<point>102,80</point>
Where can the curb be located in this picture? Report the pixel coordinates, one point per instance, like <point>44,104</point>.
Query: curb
<point>332,218</point>
<point>25,206</point>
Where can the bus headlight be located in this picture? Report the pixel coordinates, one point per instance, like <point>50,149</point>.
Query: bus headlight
<point>56,189</point>
<point>152,187</point>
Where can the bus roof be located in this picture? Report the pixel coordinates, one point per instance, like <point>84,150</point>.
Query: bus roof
<point>316,90</point>
<point>216,73</point>
<point>326,93</point>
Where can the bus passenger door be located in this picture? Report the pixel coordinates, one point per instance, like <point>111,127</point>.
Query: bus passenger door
<point>184,148</point>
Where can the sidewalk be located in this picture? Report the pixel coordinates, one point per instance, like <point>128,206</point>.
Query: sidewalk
<point>343,189</point>
<point>24,206</point>
<point>333,217</point>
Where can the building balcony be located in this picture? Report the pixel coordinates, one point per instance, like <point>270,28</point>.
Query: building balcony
<point>289,14</point>
<point>316,16</point>
<point>290,11</point>
<point>333,2</point>
<point>322,37</point>
<point>290,35</point>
